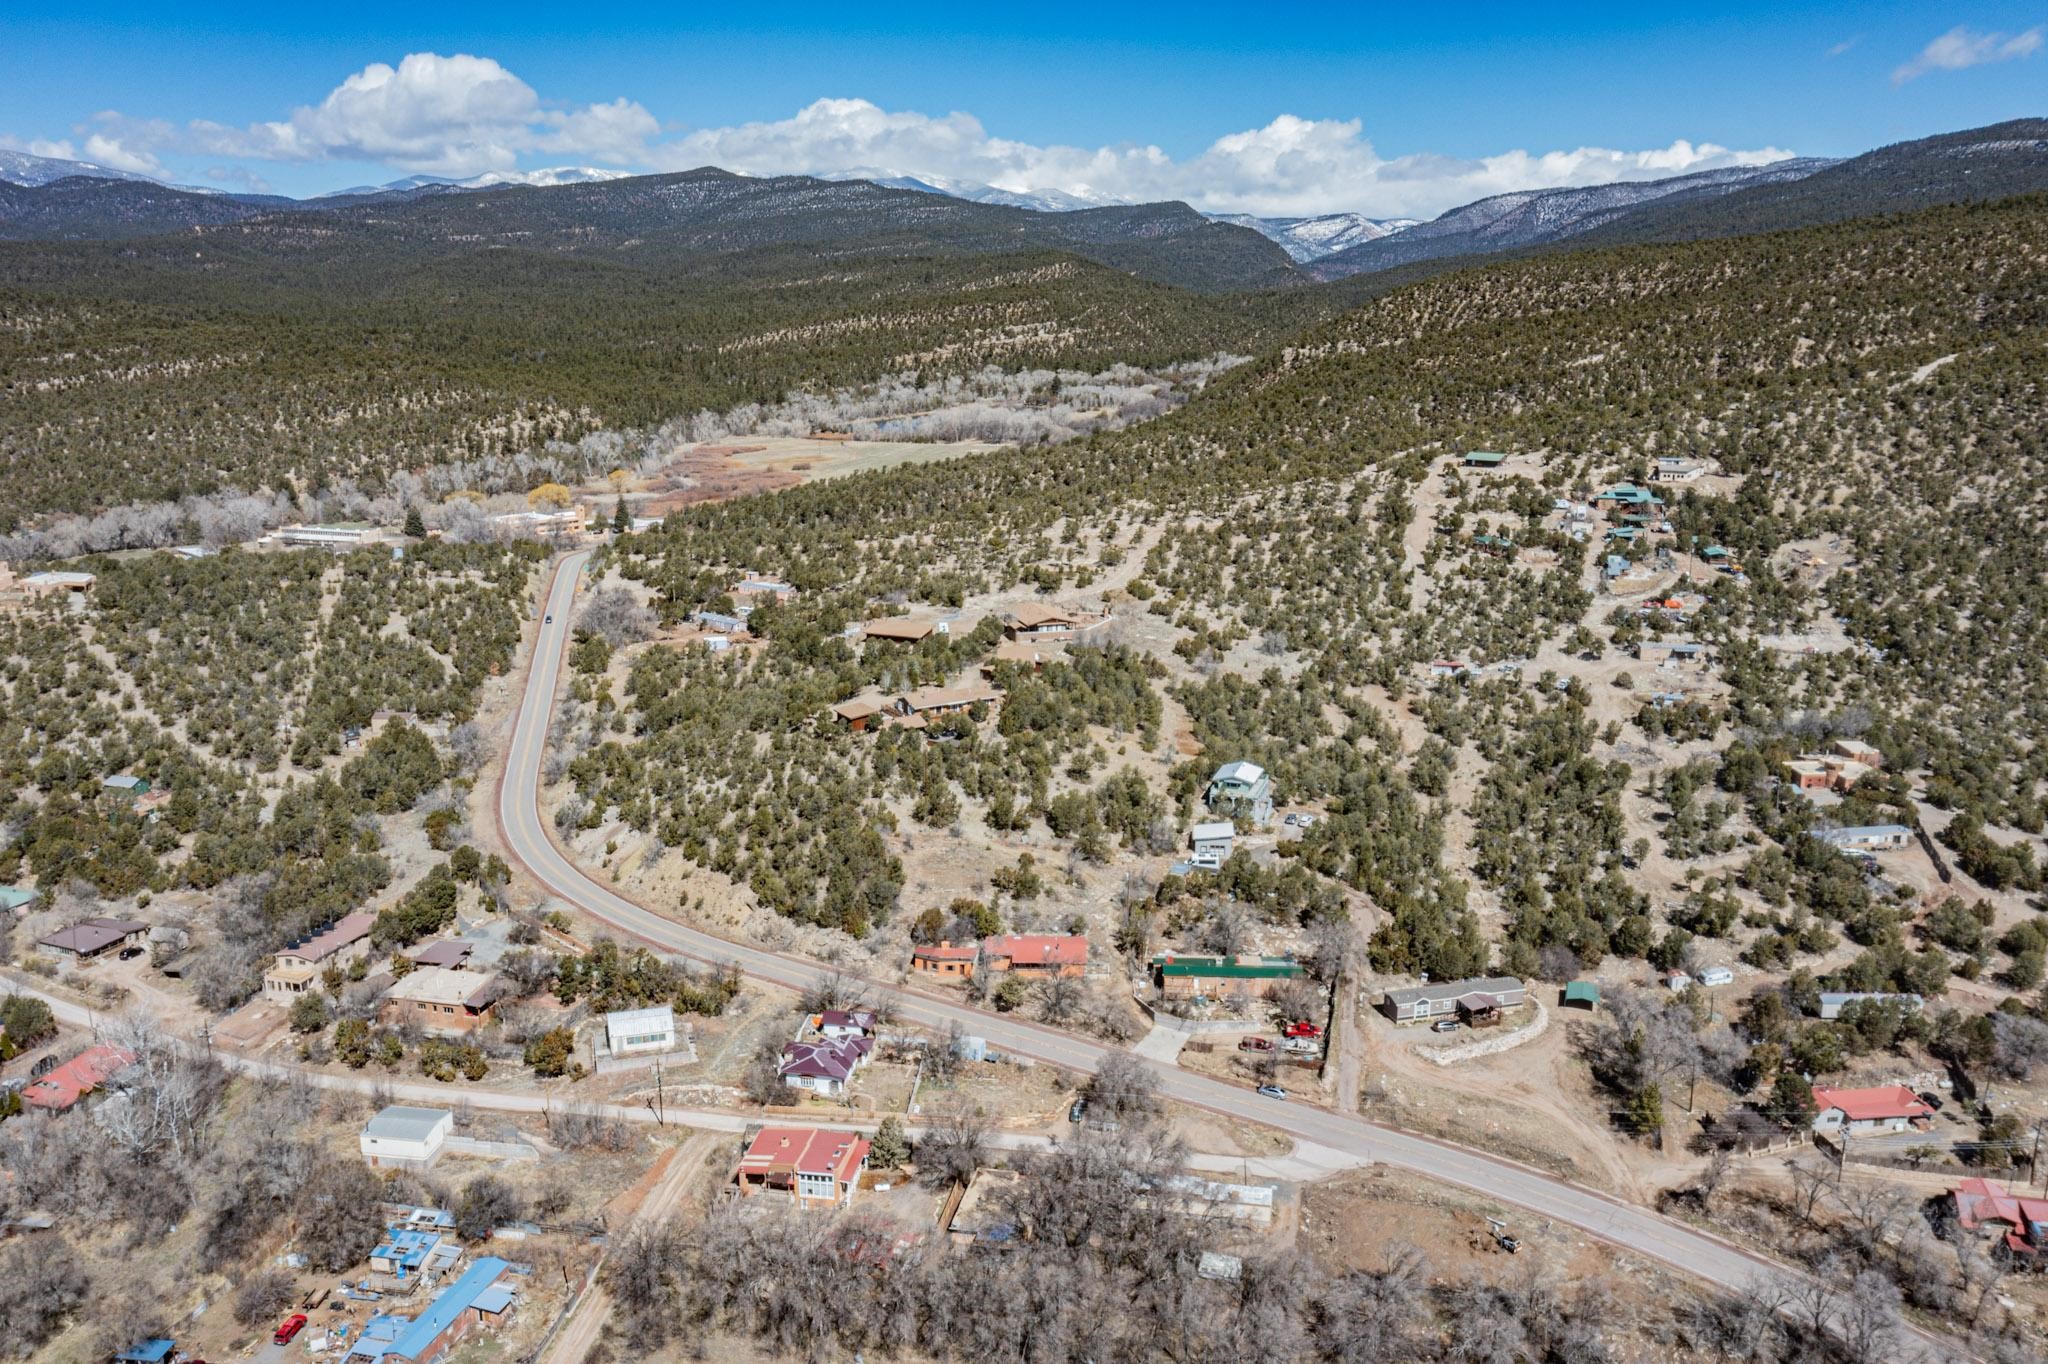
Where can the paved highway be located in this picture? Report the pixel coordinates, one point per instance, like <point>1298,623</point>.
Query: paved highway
<point>526,838</point>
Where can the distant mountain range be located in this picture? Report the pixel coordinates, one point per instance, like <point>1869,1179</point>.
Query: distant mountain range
<point>586,210</point>
<point>554,175</point>
<point>1307,239</point>
<point>1540,216</point>
<point>22,168</point>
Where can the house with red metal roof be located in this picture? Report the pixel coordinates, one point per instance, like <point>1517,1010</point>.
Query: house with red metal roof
<point>1039,954</point>
<point>63,1087</point>
<point>814,1166</point>
<point>1886,1108</point>
<point>1985,1205</point>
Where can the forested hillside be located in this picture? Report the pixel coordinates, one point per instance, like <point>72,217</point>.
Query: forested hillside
<point>170,367</point>
<point>1874,382</point>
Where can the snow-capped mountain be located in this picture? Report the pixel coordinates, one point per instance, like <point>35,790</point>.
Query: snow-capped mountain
<point>553,175</point>
<point>1041,200</point>
<point>21,168</point>
<point>1307,239</point>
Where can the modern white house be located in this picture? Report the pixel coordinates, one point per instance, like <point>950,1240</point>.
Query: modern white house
<point>633,1032</point>
<point>406,1138</point>
<point>1716,975</point>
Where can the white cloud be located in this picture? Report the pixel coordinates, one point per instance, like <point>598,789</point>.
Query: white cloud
<point>1962,47</point>
<point>465,115</point>
<point>1843,47</point>
<point>457,115</point>
<point>1291,166</point>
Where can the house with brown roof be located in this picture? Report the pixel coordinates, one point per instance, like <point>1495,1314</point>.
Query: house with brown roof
<point>1035,621</point>
<point>858,715</point>
<point>1032,654</point>
<point>813,1166</point>
<point>440,1000</point>
<point>91,938</point>
<point>452,953</point>
<point>897,629</point>
<point>300,963</point>
<point>929,703</point>
<point>945,960</point>
<point>1037,954</point>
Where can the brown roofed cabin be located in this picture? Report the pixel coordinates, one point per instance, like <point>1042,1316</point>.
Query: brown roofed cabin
<point>1032,621</point>
<point>93,937</point>
<point>858,715</point>
<point>932,701</point>
<point>897,629</point>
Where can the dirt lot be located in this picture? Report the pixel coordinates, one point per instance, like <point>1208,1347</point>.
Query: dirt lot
<point>1354,1220</point>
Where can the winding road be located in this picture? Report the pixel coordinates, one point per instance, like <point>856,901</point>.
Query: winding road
<point>1691,1251</point>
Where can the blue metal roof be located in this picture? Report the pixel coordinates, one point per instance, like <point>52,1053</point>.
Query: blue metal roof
<point>151,1351</point>
<point>453,1301</point>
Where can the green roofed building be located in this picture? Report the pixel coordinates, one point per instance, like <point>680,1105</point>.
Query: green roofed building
<point>1182,977</point>
<point>1583,994</point>
<point>1484,459</point>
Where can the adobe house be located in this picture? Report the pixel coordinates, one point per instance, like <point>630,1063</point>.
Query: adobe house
<point>945,960</point>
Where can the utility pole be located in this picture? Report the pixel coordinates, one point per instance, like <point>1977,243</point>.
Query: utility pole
<point>660,1113</point>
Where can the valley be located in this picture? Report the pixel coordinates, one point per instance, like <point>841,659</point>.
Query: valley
<point>1241,806</point>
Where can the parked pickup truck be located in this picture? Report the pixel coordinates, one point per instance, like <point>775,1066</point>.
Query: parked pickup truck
<point>288,1328</point>
<point>1255,1044</point>
<point>1303,1028</point>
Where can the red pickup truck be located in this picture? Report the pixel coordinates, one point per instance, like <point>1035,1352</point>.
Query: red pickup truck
<point>1303,1028</point>
<point>1255,1044</point>
<point>288,1328</point>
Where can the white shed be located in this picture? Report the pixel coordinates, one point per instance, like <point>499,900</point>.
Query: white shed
<point>406,1138</point>
<point>629,1032</point>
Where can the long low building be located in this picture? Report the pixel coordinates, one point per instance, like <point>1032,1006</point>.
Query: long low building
<point>1442,999</point>
<point>479,1297</point>
<point>1183,977</point>
<point>1866,838</point>
<point>93,937</point>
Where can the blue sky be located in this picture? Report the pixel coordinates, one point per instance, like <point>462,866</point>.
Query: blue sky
<point>1387,109</point>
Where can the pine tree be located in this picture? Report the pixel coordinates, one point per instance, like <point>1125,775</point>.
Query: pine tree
<point>415,524</point>
<point>622,520</point>
<point>890,1147</point>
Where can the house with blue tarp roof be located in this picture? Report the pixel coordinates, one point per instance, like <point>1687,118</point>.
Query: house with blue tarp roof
<point>406,1253</point>
<point>155,1350</point>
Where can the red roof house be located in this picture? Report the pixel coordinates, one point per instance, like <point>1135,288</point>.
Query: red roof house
<point>2022,1222</point>
<point>63,1087</point>
<point>1886,1108</point>
<point>946,959</point>
<point>1046,954</point>
<point>814,1166</point>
